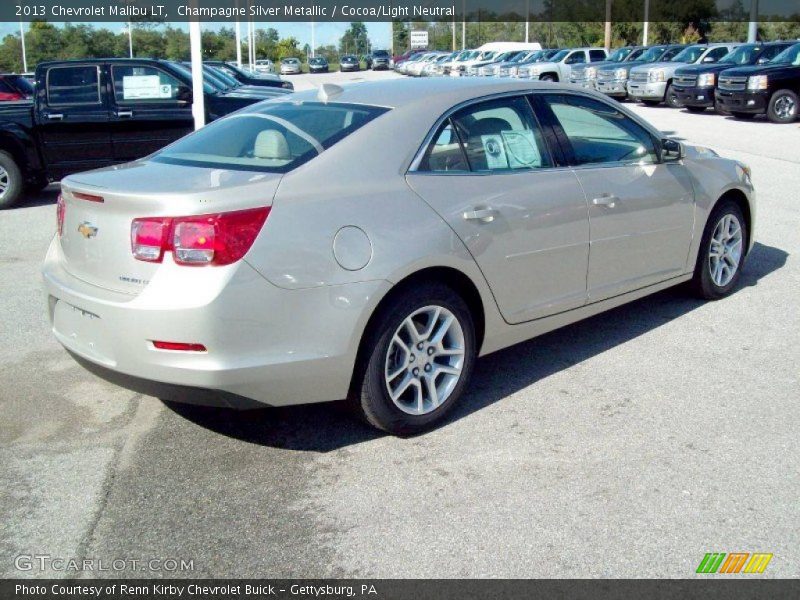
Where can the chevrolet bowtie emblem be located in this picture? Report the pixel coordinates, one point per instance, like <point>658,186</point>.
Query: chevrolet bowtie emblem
<point>87,230</point>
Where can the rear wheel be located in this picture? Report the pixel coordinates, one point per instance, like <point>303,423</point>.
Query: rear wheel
<point>783,107</point>
<point>419,357</point>
<point>548,77</point>
<point>11,183</point>
<point>722,252</point>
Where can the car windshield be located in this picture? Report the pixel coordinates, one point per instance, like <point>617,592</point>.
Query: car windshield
<point>743,55</point>
<point>789,56</point>
<point>651,55</point>
<point>380,54</point>
<point>619,55</point>
<point>215,80</point>
<point>559,55</point>
<point>317,61</point>
<point>220,74</point>
<point>690,54</point>
<point>208,88</point>
<point>273,137</point>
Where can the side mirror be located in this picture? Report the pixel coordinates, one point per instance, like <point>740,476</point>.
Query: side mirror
<point>671,150</point>
<point>184,95</point>
<point>709,59</point>
<point>762,61</point>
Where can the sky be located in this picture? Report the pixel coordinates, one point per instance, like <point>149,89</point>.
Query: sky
<point>326,33</point>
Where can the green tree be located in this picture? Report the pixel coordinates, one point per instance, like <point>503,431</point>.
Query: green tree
<point>355,40</point>
<point>177,44</point>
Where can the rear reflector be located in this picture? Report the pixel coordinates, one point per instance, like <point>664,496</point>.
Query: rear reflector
<point>88,197</point>
<point>218,239</point>
<point>179,346</point>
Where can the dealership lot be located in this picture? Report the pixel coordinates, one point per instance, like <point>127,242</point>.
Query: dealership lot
<point>628,445</point>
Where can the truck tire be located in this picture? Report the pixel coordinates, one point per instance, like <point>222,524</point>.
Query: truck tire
<point>671,98</point>
<point>11,183</point>
<point>783,107</point>
<point>548,77</point>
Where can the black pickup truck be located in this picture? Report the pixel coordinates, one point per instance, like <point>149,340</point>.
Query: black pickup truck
<point>89,114</point>
<point>773,88</point>
<point>694,85</point>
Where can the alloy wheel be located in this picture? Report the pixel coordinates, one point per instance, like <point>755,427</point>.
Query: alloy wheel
<point>785,107</point>
<point>425,360</point>
<point>725,250</point>
<point>4,182</point>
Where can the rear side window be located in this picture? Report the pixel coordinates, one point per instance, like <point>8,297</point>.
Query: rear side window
<point>73,85</point>
<point>145,85</point>
<point>498,135</point>
<point>273,137</point>
<point>596,55</point>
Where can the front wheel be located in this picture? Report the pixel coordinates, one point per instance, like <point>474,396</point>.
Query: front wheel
<point>419,357</point>
<point>722,252</point>
<point>672,98</point>
<point>783,107</point>
<point>548,78</point>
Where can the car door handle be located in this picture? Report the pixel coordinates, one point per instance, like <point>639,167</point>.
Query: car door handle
<point>55,116</point>
<point>124,114</point>
<point>484,215</point>
<point>606,200</point>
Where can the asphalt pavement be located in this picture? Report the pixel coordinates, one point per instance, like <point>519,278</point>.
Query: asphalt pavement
<point>627,445</point>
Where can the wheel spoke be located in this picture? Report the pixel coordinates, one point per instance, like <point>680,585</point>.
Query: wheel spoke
<point>426,335</point>
<point>433,393</point>
<point>408,380</point>
<point>443,329</point>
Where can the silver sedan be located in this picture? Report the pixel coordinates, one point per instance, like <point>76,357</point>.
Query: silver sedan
<point>370,242</point>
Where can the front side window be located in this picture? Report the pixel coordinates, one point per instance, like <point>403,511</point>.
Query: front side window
<point>146,85</point>
<point>715,54</point>
<point>576,58</point>
<point>497,135</point>
<point>274,137</point>
<point>789,56</point>
<point>690,54</point>
<point>73,85</point>
<point>598,133</point>
<point>769,53</point>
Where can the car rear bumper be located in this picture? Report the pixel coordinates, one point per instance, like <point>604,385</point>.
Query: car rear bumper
<point>647,91</point>
<point>694,96</point>
<point>265,344</point>
<point>743,102</point>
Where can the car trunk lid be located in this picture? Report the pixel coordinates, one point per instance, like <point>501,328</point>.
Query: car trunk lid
<point>101,205</point>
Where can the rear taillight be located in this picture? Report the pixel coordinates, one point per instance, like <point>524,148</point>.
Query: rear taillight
<point>179,346</point>
<point>218,239</point>
<point>61,211</point>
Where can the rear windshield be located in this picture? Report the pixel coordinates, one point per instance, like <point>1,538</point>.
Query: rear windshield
<point>273,137</point>
<point>791,56</point>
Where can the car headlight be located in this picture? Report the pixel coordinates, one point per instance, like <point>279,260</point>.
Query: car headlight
<point>621,73</point>
<point>658,75</point>
<point>706,80</point>
<point>534,71</point>
<point>757,82</point>
<point>590,73</point>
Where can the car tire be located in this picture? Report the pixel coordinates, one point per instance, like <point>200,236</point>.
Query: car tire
<point>671,98</point>
<point>720,110</point>
<point>394,395</point>
<point>696,109</point>
<point>742,116</point>
<point>725,232</point>
<point>783,107</point>
<point>11,181</point>
<point>548,77</point>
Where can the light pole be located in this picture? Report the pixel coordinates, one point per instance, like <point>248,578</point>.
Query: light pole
<point>528,22</point>
<point>752,27</point>
<point>198,98</point>
<point>130,39</point>
<point>24,53</point>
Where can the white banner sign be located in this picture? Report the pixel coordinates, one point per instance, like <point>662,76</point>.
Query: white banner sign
<point>419,39</point>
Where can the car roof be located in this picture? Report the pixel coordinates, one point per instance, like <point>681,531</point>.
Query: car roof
<point>397,93</point>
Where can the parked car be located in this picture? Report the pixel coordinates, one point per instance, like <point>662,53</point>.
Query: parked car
<point>461,68</point>
<point>380,59</point>
<point>349,62</point>
<point>494,69</point>
<point>416,67</point>
<point>181,272</point>
<point>613,80</point>
<point>264,66</point>
<point>248,78</point>
<point>484,68</point>
<point>227,84</point>
<point>403,66</point>
<point>770,89</point>
<point>318,64</point>
<point>455,61</point>
<point>586,75</point>
<point>536,56</point>
<point>652,84</point>
<point>15,87</point>
<point>558,68</point>
<point>291,66</point>
<point>436,66</point>
<point>92,113</point>
<point>401,58</point>
<point>694,85</point>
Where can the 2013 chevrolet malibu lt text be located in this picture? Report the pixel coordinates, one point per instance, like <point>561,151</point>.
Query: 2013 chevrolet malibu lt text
<point>289,254</point>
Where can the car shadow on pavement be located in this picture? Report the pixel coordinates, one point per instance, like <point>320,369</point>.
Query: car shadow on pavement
<point>48,195</point>
<point>330,426</point>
